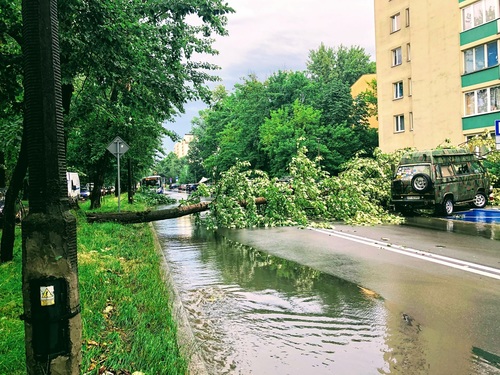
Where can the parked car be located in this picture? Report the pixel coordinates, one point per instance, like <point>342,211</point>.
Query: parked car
<point>439,179</point>
<point>84,193</point>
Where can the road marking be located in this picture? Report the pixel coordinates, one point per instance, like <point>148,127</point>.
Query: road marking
<point>478,269</point>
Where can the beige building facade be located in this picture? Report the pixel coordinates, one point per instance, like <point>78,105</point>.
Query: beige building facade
<point>181,148</point>
<point>435,68</point>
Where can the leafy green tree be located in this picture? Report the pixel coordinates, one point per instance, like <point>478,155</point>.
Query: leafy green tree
<point>131,66</point>
<point>286,87</point>
<point>286,130</point>
<point>343,64</point>
<point>257,123</point>
<point>230,129</point>
<point>11,91</point>
<point>176,169</point>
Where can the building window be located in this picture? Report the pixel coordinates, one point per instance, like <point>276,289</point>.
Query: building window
<point>481,57</point>
<point>495,98</point>
<point>408,52</point>
<point>407,13</point>
<point>482,101</point>
<point>395,23</point>
<point>399,123</point>
<point>410,87</point>
<point>470,103</point>
<point>479,13</point>
<point>398,90</point>
<point>411,121</point>
<point>397,57</point>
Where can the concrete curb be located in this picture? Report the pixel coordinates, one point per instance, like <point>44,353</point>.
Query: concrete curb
<point>185,337</point>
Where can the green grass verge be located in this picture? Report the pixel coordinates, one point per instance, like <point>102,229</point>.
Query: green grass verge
<point>127,323</point>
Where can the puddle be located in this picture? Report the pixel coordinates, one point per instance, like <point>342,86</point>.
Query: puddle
<point>254,313</point>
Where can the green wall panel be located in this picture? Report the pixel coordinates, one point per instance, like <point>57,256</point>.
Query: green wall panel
<point>480,32</point>
<point>481,76</point>
<point>480,121</point>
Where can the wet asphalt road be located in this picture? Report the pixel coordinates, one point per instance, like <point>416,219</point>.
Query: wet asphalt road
<point>453,313</point>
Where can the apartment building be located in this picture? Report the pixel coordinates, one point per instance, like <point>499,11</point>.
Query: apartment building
<point>181,148</point>
<point>438,76</point>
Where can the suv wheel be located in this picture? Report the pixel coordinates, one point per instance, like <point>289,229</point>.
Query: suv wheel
<point>480,200</point>
<point>448,206</point>
<point>420,183</point>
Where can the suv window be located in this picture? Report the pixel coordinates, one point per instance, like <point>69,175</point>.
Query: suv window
<point>444,170</point>
<point>462,168</point>
<point>476,167</point>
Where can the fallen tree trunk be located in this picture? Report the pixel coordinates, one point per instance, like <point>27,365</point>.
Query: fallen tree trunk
<point>148,216</point>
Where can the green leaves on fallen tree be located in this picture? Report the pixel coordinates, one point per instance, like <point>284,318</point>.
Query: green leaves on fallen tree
<point>359,195</point>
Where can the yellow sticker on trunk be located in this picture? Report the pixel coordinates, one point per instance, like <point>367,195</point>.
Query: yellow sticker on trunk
<point>47,296</point>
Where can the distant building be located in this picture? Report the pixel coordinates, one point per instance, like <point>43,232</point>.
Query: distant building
<point>437,71</point>
<point>181,148</point>
<point>361,85</point>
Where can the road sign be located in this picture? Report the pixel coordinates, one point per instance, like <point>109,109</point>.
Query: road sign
<point>118,147</point>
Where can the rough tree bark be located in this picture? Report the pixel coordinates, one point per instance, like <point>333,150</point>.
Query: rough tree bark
<point>148,216</point>
<point>51,301</point>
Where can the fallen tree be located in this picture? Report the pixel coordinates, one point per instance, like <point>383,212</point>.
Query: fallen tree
<point>150,215</point>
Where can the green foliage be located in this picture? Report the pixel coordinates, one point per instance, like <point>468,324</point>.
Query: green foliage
<point>361,193</point>
<point>358,195</point>
<point>151,198</point>
<point>261,122</point>
<point>234,205</point>
<point>280,134</point>
<point>486,146</point>
<point>343,64</point>
<point>12,352</point>
<point>11,85</point>
<point>127,67</point>
<point>172,167</point>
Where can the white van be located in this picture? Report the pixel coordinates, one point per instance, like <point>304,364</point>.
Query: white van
<point>73,185</point>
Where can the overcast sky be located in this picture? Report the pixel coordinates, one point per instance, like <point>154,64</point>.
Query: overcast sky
<point>266,36</point>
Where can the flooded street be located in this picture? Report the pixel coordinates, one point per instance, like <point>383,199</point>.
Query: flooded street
<point>252,312</point>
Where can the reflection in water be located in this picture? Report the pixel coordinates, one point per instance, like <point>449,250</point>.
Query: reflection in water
<point>488,229</point>
<point>258,314</point>
<point>478,215</point>
<point>253,313</point>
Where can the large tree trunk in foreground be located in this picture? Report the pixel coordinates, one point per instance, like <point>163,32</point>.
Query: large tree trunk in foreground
<point>51,301</point>
<point>148,216</point>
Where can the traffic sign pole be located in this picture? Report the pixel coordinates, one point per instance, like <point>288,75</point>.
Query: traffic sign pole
<point>118,147</point>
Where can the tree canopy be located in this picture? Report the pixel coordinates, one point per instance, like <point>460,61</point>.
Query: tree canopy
<point>262,122</point>
<point>127,68</point>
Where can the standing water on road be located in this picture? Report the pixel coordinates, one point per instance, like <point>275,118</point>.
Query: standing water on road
<point>253,313</point>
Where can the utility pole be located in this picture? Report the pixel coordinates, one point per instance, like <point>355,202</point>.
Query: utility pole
<point>50,270</point>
